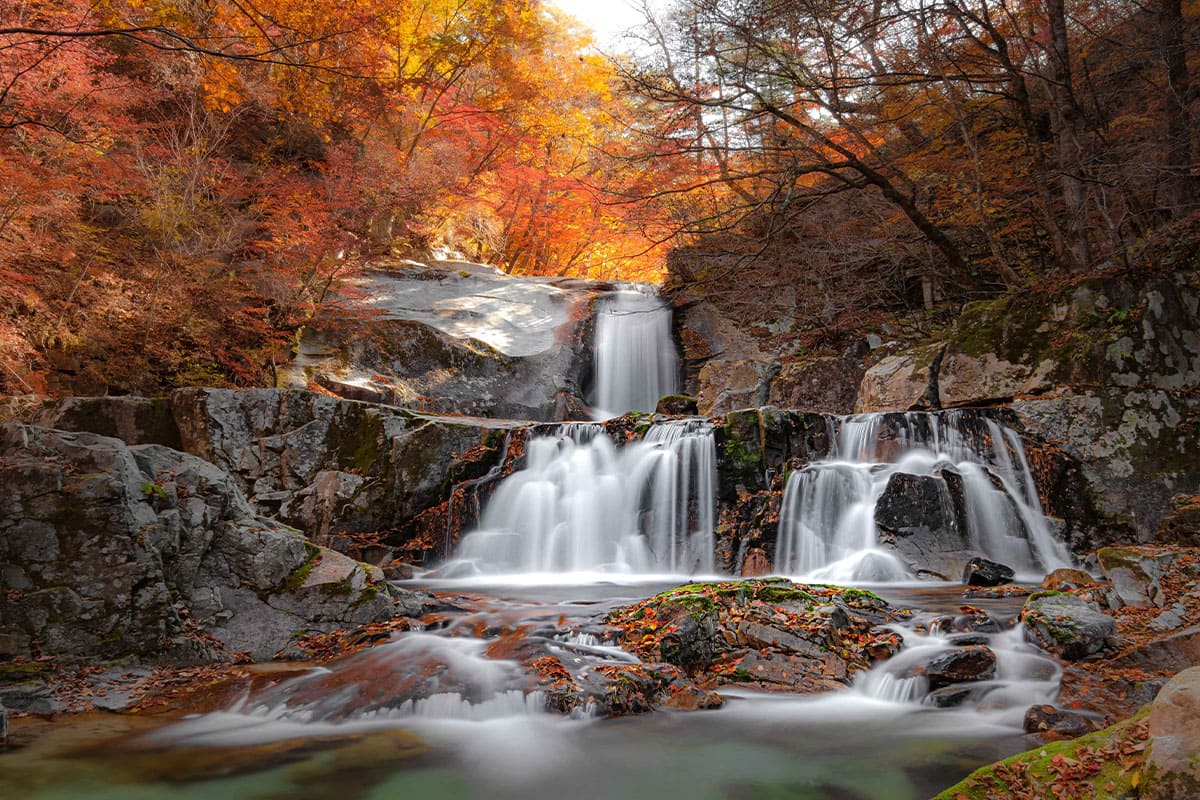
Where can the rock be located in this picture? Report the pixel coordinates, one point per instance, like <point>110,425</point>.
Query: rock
<point>677,405</point>
<point>1135,571</point>
<point>1181,524</point>
<point>134,420</point>
<point>724,386</point>
<point>952,696</point>
<point>144,552</point>
<point>958,665</point>
<point>34,697</point>
<point>921,517</point>
<point>1173,653</point>
<point>769,633</point>
<point>1066,625</point>
<point>1061,723</point>
<point>1061,580</point>
<point>996,592</point>
<point>982,572</point>
<point>1038,773</point>
<point>456,337</point>
<point>1130,451</point>
<point>826,384</point>
<point>905,381</point>
<point>755,564</point>
<point>1172,768</point>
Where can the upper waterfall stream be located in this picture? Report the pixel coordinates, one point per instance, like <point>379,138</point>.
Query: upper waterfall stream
<point>635,359</point>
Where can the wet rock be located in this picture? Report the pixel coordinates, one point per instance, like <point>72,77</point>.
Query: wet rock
<point>955,695</point>
<point>677,405</point>
<point>456,337</point>
<point>965,639</point>
<point>959,665</point>
<point>771,633</point>
<point>1135,572</point>
<point>1172,769</point>
<point>921,518</point>
<point>1067,625</point>
<point>996,592</point>
<point>1058,722</point>
<point>755,564</point>
<point>114,552</point>
<point>982,572</point>
<point>1064,579</point>
<point>34,697</point>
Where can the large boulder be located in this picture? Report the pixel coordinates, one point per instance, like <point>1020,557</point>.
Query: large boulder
<point>767,633</point>
<point>1067,625</point>
<point>1135,572</point>
<point>902,381</point>
<point>829,384</point>
<point>112,551</point>
<point>922,518</point>
<point>322,464</point>
<point>1172,768</point>
<point>455,337</point>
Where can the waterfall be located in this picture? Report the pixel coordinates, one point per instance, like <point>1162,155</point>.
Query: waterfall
<point>582,504</point>
<point>635,358</point>
<point>976,467</point>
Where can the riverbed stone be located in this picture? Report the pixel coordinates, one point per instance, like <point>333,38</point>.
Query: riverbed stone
<point>1135,572</point>
<point>770,633</point>
<point>983,572</point>
<point>958,665</point>
<point>1067,625</point>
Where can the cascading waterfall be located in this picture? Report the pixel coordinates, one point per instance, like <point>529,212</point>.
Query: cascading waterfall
<point>635,358</point>
<point>827,527</point>
<point>582,504</point>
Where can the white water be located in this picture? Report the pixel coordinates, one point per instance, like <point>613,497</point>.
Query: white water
<point>827,528</point>
<point>635,358</point>
<point>581,504</point>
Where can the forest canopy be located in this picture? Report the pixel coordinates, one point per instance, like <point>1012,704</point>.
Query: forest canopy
<point>186,183</point>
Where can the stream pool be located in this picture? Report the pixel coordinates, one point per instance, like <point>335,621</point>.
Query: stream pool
<point>309,741</point>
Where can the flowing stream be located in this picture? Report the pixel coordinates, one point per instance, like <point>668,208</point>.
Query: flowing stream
<point>453,709</point>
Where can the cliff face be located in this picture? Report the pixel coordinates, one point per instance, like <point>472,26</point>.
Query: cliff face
<point>1101,376</point>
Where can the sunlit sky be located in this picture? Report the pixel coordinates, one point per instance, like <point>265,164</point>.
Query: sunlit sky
<point>608,18</point>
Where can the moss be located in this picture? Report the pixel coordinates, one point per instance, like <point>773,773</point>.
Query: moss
<point>11,672</point>
<point>150,489</point>
<point>1037,765</point>
<point>297,577</point>
<point>1046,593</point>
<point>340,589</point>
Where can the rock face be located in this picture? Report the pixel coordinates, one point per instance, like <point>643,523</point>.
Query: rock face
<point>456,337</point>
<point>1067,625</point>
<point>321,464</point>
<point>1172,767</point>
<point>1106,369</point>
<point>112,551</point>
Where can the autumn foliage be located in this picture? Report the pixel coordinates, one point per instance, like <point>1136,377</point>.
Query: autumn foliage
<point>182,185</point>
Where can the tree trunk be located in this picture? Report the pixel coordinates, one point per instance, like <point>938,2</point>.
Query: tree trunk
<point>1178,183</point>
<point>1065,120</point>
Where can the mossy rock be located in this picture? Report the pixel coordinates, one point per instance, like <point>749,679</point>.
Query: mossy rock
<point>1037,772</point>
